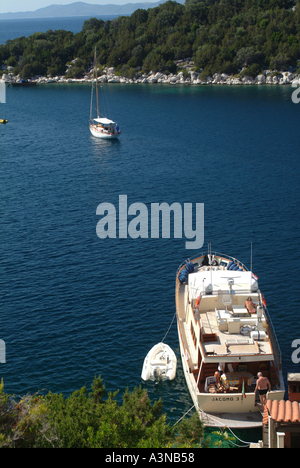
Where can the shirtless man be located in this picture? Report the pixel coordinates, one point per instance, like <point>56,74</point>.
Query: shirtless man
<point>263,386</point>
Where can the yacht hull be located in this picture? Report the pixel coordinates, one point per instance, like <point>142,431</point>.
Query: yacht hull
<point>99,134</point>
<point>201,357</point>
<point>225,410</point>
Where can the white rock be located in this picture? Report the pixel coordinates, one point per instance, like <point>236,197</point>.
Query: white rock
<point>260,79</point>
<point>152,79</point>
<point>216,77</point>
<point>159,76</point>
<point>248,80</point>
<point>286,79</point>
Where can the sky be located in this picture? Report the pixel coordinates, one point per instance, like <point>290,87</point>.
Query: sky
<point>13,6</point>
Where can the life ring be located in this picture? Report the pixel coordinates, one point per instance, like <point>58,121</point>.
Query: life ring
<point>264,301</point>
<point>245,329</point>
<point>198,301</point>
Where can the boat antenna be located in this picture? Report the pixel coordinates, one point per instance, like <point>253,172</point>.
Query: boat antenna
<point>96,82</point>
<point>251,258</point>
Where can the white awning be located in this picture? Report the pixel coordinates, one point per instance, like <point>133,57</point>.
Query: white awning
<point>216,281</point>
<point>104,121</point>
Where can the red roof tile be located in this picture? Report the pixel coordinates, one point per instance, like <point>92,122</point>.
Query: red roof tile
<point>282,411</point>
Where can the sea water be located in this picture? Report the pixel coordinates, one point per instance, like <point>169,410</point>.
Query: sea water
<point>13,28</point>
<point>73,305</point>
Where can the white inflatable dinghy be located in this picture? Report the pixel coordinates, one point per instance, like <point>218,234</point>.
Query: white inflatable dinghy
<point>160,363</point>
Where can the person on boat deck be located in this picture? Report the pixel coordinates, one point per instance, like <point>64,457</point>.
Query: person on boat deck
<point>263,386</point>
<point>218,379</point>
<point>250,306</point>
<point>117,128</point>
<point>222,387</point>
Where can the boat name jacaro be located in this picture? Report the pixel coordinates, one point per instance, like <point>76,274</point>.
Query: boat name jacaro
<point>188,219</point>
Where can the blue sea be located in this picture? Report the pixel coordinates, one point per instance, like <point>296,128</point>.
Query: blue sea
<point>13,28</point>
<point>73,305</point>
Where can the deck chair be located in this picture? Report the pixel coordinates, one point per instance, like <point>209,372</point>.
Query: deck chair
<point>226,299</point>
<point>211,385</point>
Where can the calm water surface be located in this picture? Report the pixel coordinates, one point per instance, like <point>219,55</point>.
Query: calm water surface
<point>74,306</point>
<point>13,28</point>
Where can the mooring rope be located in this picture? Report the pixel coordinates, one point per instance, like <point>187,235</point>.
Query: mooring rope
<point>184,415</point>
<point>169,328</point>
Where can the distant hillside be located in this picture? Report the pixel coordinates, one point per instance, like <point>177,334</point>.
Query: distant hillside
<point>82,9</point>
<point>244,37</point>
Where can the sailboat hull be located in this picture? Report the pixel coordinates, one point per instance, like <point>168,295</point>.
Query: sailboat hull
<point>99,133</point>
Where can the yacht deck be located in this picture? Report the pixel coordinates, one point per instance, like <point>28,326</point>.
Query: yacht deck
<point>222,330</point>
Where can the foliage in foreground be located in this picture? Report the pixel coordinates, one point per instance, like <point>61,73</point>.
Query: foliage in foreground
<point>89,421</point>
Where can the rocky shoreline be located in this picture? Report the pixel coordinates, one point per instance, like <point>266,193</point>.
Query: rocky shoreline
<point>186,77</point>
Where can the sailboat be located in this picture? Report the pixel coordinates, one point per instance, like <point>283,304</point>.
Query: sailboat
<point>101,127</point>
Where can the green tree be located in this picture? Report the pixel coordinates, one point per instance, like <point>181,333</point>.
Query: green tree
<point>190,432</point>
<point>280,62</point>
<point>219,36</point>
<point>224,438</point>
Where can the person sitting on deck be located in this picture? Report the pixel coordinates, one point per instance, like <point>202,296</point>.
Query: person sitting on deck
<point>220,384</point>
<point>250,306</point>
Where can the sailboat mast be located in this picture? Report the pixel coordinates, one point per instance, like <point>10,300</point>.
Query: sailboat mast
<point>96,82</point>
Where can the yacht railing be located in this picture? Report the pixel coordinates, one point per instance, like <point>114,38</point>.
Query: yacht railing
<point>218,254</point>
<point>274,340</point>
